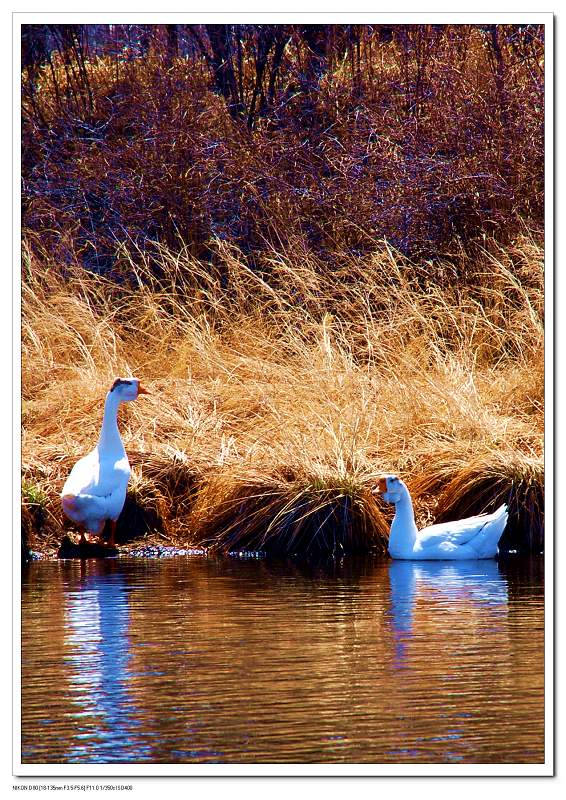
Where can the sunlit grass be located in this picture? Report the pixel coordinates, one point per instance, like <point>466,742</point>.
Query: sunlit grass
<point>278,398</point>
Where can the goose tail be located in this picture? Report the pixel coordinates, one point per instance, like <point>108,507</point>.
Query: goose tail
<point>488,538</point>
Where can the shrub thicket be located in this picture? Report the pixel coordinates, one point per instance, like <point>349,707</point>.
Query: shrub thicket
<point>263,135</point>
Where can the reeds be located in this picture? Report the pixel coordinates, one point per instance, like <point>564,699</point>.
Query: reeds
<point>277,398</point>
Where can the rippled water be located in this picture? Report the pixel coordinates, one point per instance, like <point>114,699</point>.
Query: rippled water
<point>193,660</point>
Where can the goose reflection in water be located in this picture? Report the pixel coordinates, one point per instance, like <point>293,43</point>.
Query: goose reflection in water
<point>454,584</point>
<point>97,617</point>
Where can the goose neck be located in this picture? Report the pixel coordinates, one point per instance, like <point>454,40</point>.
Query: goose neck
<point>403,528</point>
<point>110,438</point>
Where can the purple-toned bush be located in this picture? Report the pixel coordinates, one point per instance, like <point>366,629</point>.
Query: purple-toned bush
<point>268,135</point>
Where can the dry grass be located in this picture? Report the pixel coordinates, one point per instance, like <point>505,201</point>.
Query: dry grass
<point>288,514</point>
<point>278,396</point>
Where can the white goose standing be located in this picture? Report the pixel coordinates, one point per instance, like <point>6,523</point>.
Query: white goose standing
<point>473,537</point>
<point>95,490</point>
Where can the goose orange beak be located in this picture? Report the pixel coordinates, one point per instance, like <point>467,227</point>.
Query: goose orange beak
<point>380,486</point>
<point>142,390</point>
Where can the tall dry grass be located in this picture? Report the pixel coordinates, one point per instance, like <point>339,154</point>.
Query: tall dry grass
<point>279,395</point>
<point>319,245</point>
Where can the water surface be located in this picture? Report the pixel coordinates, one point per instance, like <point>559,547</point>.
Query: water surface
<point>196,660</point>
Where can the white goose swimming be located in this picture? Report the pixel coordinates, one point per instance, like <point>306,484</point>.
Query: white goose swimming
<point>95,490</point>
<point>474,537</point>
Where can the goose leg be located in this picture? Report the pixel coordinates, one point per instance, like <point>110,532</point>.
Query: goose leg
<point>111,540</point>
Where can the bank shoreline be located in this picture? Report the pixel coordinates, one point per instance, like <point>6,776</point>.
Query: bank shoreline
<point>171,505</point>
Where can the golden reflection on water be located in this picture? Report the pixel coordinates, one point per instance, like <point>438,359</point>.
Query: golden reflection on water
<point>192,660</point>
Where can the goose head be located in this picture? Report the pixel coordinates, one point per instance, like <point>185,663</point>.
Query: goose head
<point>391,488</point>
<point>127,389</point>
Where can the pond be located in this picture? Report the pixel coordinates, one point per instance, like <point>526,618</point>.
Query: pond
<point>201,660</point>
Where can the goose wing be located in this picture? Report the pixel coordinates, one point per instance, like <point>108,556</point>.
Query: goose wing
<point>95,491</point>
<point>97,476</point>
<point>455,533</point>
<point>84,475</point>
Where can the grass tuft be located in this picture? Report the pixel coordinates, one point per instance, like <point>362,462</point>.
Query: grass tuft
<point>278,517</point>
